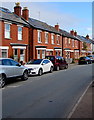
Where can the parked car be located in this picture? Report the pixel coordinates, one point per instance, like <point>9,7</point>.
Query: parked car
<point>9,69</point>
<point>91,57</point>
<point>58,62</point>
<point>84,60</point>
<point>39,66</point>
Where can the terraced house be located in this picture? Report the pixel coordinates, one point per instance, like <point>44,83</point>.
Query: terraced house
<point>13,35</point>
<point>24,38</point>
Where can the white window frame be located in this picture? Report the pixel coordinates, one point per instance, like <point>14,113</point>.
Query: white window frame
<point>4,50</point>
<point>69,40</point>
<point>39,36</point>
<point>7,32</point>
<point>22,55</point>
<point>43,54</point>
<point>46,37</point>
<point>58,39</point>
<point>52,38</point>
<point>20,33</point>
<point>72,42</point>
<point>38,54</point>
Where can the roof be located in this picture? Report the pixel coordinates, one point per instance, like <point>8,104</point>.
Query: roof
<point>7,15</point>
<point>83,39</point>
<point>42,26</point>
<point>67,34</point>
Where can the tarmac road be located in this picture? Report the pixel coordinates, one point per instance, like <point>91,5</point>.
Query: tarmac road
<point>52,95</point>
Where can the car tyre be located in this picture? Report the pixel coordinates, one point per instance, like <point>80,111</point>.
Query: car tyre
<point>51,69</point>
<point>66,67</point>
<point>25,75</point>
<point>57,68</point>
<point>40,72</point>
<point>2,80</point>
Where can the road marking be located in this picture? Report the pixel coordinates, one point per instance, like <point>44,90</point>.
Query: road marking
<point>74,108</point>
<point>13,86</point>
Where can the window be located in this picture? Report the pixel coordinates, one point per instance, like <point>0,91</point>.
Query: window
<point>58,40</point>
<point>4,53</point>
<point>69,40</point>
<point>52,38</point>
<point>66,41</point>
<point>46,61</point>
<point>22,55</point>
<point>46,37</point>
<point>14,63</point>
<point>39,36</point>
<point>38,55</point>
<point>7,30</point>
<point>72,43</point>
<point>16,54</point>
<point>6,62</point>
<point>43,53</point>
<point>19,33</point>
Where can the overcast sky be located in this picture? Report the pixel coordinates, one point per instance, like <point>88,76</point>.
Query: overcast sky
<point>69,15</point>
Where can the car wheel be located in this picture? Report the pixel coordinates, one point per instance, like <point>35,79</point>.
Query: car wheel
<point>66,67</point>
<point>2,80</point>
<point>51,69</point>
<point>25,75</point>
<point>57,68</point>
<point>40,72</point>
<point>87,62</point>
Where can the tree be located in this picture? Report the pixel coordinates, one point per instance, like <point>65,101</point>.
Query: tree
<point>84,46</point>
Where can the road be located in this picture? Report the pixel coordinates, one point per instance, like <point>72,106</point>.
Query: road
<point>51,95</point>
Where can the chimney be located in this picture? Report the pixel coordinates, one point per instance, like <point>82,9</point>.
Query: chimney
<point>25,13</point>
<point>57,27</point>
<point>87,36</point>
<point>72,32</point>
<point>17,9</point>
<point>75,33</point>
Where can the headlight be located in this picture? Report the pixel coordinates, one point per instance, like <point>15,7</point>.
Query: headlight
<point>35,68</point>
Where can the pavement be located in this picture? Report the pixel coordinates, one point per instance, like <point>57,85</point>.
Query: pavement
<point>84,107</point>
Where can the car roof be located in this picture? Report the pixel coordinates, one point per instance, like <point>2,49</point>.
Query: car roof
<point>4,58</point>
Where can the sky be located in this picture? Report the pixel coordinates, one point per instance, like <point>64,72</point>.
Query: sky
<point>69,15</point>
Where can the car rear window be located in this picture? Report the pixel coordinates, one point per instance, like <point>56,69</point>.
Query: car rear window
<point>82,58</point>
<point>50,58</point>
<point>0,62</point>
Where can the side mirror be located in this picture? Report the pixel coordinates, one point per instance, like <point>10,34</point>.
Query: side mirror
<point>18,64</point>
<point>43,63</point>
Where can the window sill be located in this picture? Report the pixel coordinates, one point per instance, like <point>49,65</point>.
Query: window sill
<point>39,42</point>
<point>19,40</point>
<point>8,38</point>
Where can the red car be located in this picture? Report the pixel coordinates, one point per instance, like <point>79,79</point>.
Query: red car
<point>58,62</point>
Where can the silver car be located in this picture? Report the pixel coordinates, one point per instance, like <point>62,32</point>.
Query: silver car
<point>9,69</point>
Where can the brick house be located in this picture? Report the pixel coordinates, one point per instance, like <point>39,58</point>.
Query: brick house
<point>43,38</point>
<point>85,45</point>
<point>25,38</point>
<point>70,46</point>
<point>13,35</point>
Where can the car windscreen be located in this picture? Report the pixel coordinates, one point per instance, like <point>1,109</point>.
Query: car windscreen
<point>1,62</point>
<point>38,61</point>
<point>82,58</point>
<point>50,58</point>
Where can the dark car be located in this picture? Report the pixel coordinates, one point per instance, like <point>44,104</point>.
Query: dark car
<point>91,57</point>
<point>58,62</point>
<point>84,60</point>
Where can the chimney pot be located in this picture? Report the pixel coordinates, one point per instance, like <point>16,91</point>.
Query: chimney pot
<point>17,9</point>
<point>57,27</point>
<point>25,13</point>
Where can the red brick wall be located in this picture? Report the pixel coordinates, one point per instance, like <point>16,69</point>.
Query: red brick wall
<point>14,38</point>
<point>34,39</point>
